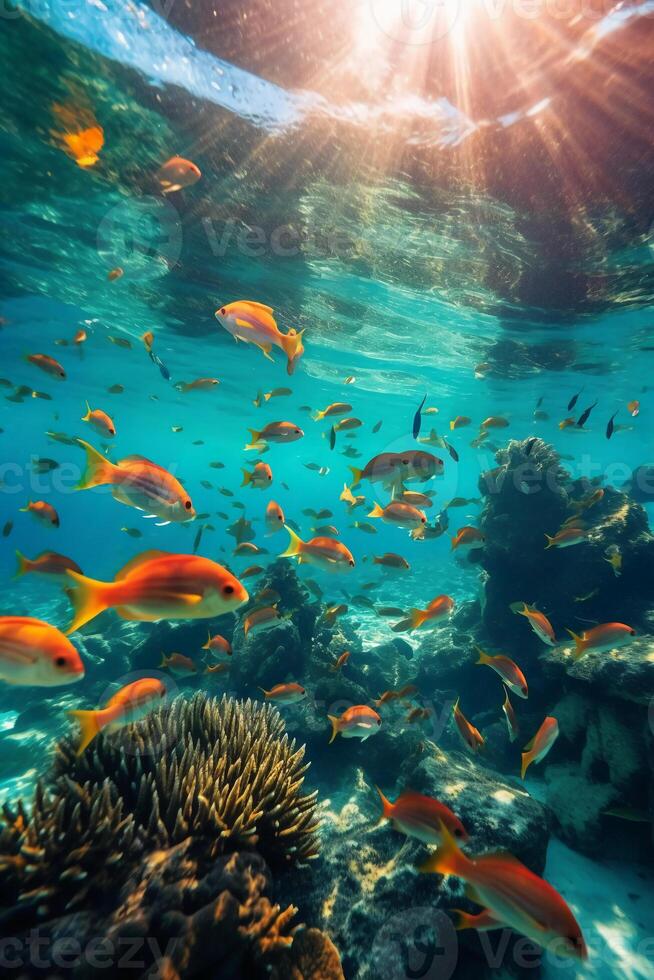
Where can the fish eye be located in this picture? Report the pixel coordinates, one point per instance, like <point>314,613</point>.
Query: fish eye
<point>188,504</point>
<point>351,562</point>
<point>632,632</point>
<point>222,311</point>
<point>458,832</point>
<point>60,662</point>
<point>405,462</point>
<point>228,590</point>
<point>524,691</point>
<point>379,721</point>
<point>424,520</point>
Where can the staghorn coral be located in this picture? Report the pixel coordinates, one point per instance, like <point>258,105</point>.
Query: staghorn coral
<point>220,772</point>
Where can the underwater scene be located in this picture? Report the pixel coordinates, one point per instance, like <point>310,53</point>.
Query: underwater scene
<point>327,489</point>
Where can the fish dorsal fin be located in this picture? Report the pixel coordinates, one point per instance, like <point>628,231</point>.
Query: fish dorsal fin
<point>257,306</point>
<point>135,458</point>
<point>139,560</point>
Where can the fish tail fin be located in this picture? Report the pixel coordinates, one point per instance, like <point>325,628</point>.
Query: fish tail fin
<point>448,859</point>
<point>356,476</point>
<point>247,478</point>
<point>89,598</point>
<point>550,542</point>
<point>483,657</point>
<point>208,643</point>
<point>346,495</point>
<point>580,643</point>
<point>22,564</point>
<point>461,920</point>
<point>23,510</point>
<point>335,727</point>
<point>254,438</point>
<point>86,417</point>
<point>295,544</point>
<point>99,470</point>
<point>376,511</point>
<point>89,726</point>
<point>264,692</point>
<point>527,759</point>
<point>417,617</point>
<point>291,344</point>
<point>387,806</point>
<point>164,661</point>
<point>319,416</point>
<point>267,396</point>
<point>452,425</point>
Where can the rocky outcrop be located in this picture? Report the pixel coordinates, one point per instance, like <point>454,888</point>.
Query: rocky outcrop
<point>365,888</point>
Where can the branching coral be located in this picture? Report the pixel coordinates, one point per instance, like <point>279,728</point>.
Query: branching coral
<point>220,772</point>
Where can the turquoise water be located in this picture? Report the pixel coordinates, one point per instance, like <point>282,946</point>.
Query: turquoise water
<point>428,247</point>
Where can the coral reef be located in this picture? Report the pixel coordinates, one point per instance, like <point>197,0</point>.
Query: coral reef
<point>531,495</point>
<point>200,779</point>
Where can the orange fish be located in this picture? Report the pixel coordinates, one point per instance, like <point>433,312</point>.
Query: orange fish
<point>346,425</point>
<point>46,364</point>
<point>470,735</point>
<point>467,538</point>
<point>348,497</point>
<point>47,563</point>
<point>177,663</point>
<point>566,538</point>
<point>259,620</point>
<point>148,340</point>
<point>42,512</point>
<point>336,408</point>
<point>217,668</point>
<point>200,384</point>
<point>254,323</point>
<point>285,693</point>
<point>116,273</point>
<point>417,714</point>
<point>439,608</point>
<point>391,560</point>
<point>567,423</point>
<point>539,623</point>
<point>156,585</point>
<point>538,747</point>
<point>511,719</point>
<point>274,518</point>
<point>421,817</point>
<point>508,671</point>
<point>512,895</point>
<point>494,422</point>
<point>83,137</point>
<point>332,613</point>
<point>100,421</point>
<point>414,498</point>
<point>80,337</point>
<point>218,644</point>
<point>275,432</point>
<point>33,653</point>
<point>601,639</point>
<point>252,570</point>
<point>359,721</point>
<point>326,553</point>
<point>633,408</point>
<point>460,422</point>
<point>131,703</point>
<point>259,478</point>
<point>392,469</point>
<point>177,173</point>
<point>399,514</point>
<point>340,662</point>
<point>138,483</point>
